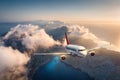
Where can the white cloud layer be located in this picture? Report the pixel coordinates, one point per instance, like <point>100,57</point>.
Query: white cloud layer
<point>82,32</point>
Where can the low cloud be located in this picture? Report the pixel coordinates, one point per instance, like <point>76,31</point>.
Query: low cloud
<point>28,37</point>
<point>12,62</point>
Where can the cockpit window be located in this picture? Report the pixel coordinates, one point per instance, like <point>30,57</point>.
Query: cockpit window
<point>81,50</point>
<point>71,48</point>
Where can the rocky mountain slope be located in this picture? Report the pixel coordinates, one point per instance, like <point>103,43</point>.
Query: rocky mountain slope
<point>35,63</point>
<point>105,65</point>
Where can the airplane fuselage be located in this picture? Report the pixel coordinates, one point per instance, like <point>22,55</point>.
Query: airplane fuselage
<point>76,50</point>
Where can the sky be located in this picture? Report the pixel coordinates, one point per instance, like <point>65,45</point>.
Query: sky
<point>65,10</point>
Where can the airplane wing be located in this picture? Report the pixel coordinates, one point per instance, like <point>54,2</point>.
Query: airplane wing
<point>51,53</point>
<point>93,49</point>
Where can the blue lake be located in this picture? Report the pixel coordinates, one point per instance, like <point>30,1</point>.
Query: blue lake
<point>57,70</point>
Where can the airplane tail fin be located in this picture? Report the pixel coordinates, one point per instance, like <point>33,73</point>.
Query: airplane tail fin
<point>67,38</point>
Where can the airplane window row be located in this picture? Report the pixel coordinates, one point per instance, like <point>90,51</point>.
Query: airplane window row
<point>71,49</point>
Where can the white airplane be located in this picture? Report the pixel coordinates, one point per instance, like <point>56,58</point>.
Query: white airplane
<point>73,50</point>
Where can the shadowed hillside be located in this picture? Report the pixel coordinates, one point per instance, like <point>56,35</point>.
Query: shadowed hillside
<point>105,65</point>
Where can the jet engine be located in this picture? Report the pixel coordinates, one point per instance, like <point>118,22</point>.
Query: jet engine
<point>92,53</point>
<point>63,57</point>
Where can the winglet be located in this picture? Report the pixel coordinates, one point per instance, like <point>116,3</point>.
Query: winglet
<point>67,38</point>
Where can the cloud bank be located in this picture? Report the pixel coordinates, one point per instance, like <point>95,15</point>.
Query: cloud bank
<point>81,35</point>
<point>12,63</point>
<point>28,37</point>
<point>15,47</point>
<point>88,39</point>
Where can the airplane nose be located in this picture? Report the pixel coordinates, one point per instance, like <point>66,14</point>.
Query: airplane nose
<point>84,53</point>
